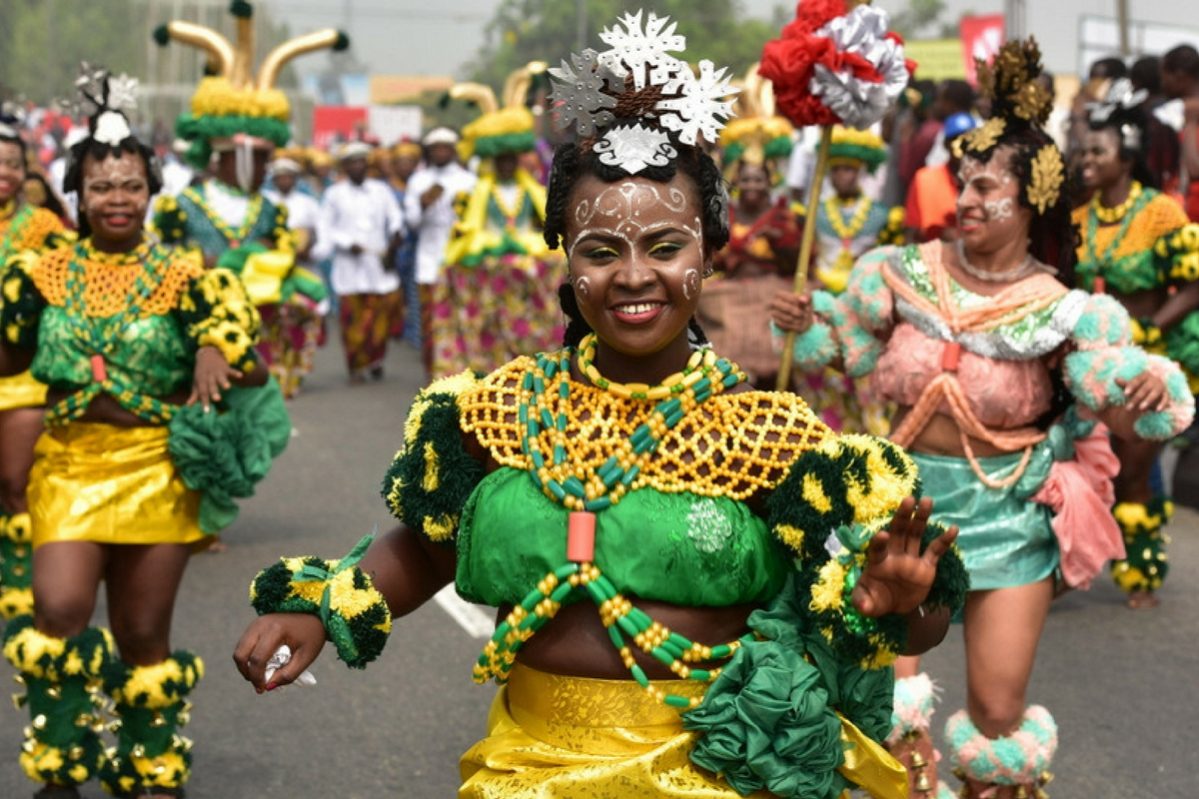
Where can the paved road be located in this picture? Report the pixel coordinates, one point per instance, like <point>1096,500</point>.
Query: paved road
<point>1121,684</point>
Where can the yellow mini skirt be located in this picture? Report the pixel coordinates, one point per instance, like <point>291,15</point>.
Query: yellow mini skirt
<point>21,391</point>
<point>111,485</point>
<point>557,737</point>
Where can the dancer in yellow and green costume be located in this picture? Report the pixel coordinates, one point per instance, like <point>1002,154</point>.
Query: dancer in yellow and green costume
<point>701,585</point>
<point>1138,246</point>
<point>497,295</point>
<point>158,417</point>
<point>23,228</point>
<point>241,118</point>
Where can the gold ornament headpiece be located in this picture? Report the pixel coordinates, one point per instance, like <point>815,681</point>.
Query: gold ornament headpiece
<point>1019,104</point>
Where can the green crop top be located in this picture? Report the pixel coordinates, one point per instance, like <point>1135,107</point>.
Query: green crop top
<point>680,548</point>
<point>128,325</point>
<point>685,533</point>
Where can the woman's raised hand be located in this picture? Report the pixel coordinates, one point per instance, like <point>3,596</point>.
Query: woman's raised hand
<point>791,312</point>
<point>898,576</point>
<point>303,633</point>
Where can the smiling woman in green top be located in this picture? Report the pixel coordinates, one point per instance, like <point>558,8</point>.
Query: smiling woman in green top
<point>139,348</point>
<point>701,586</point>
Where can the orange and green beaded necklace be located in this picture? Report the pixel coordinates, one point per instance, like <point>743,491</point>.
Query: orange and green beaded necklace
<point>592,492</point>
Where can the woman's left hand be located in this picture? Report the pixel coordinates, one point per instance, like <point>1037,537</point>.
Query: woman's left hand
<point>213,374</point>
<point>898,576</point>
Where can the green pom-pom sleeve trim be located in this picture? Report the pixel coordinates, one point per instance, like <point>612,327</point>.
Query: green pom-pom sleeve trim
<point>432,477</point>
<point>355,615</point>
<point>216,312</point>
<point>21,304</point>
<point>827,510</point>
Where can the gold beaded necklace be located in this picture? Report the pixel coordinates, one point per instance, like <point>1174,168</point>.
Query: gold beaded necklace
<point>1110,216</point>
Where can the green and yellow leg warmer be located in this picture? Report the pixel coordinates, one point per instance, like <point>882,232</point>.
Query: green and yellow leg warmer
<point>16,565</point>
<point>151,706</point>
<point>63,681</point>
<point>1145,565</point>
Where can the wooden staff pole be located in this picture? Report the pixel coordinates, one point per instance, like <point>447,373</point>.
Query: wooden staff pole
<point>805,246</point>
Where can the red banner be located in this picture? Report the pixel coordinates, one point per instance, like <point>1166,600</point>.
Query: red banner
<point>334,123</point>
<point>981,39</point>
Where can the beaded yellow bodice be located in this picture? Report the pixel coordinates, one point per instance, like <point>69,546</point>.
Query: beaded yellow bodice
<point>109,282</point>
<point>734,445</point>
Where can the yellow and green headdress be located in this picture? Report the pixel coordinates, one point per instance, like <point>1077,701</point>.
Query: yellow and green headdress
<point>499,130</point>
<point>859,148</point>
<point>231,101</point>
<point>756,134</point>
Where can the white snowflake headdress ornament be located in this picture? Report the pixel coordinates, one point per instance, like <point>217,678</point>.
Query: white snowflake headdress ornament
<point>104,97</point>
<point>588,90</point>
<point>11,117</point>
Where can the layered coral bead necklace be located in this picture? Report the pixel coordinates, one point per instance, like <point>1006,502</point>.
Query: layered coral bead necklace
<point>592,491</point>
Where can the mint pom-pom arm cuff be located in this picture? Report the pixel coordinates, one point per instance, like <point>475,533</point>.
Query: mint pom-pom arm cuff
<point>816,347</point>
<point>354,613</point>
<point>1094,377</point>
<point>1178,415</point>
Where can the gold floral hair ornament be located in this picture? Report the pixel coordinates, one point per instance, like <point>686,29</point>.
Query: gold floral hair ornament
<point>1011,83</point>
<point>1048,173</point>
<point>982,139</point>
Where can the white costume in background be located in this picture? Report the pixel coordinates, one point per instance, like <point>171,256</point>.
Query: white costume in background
<point>433,224</point>
<point>367,215</point>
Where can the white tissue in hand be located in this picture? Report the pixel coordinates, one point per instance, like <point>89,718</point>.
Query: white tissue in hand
<point>280,659</point>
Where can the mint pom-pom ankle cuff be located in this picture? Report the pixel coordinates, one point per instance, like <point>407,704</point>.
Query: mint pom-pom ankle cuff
<point>355,615</point>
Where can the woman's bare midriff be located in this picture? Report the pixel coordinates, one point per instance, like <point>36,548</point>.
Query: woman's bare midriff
<point>106,410</point>
<point>942,437</point>
<point>576,644</point>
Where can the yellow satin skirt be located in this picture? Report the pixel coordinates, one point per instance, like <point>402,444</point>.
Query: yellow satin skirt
<point>21,391</point>
<point>556,737</point>
<point>111,485</point>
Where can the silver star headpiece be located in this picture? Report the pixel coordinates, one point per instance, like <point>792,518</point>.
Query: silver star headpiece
<point>639,56</point>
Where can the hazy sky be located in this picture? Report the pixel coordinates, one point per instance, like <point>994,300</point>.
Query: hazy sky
<point>423,37</point>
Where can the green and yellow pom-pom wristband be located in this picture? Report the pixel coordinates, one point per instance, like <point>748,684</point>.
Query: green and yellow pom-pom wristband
<point>356,617</point>
<point>232,341</point>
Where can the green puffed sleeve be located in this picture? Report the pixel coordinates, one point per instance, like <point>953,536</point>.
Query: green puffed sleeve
<point>215,311</point>
<point>22,304</point>
<point>169,220</point>
<point>828,508</point>
<point>433,475</point>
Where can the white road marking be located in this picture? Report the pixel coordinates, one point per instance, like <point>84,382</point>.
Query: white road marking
<point>470,618</point>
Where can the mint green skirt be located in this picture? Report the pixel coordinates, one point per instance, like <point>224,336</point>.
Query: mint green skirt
<point>1006,539</point>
